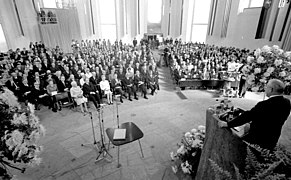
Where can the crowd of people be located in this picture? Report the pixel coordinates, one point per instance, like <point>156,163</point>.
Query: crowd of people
<point>95,70</point>
<point>206,62</point>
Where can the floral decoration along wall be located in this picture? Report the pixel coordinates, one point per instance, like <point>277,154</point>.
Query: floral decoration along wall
<point>267,63</point>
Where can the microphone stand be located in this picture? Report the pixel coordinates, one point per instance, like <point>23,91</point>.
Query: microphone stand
<point>117,118</point>
<point>103,151</point>
<point>95,146</point>
<point>117,115</point>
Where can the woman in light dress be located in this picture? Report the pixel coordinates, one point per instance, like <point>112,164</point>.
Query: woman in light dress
<point>105,86</point>
<point>77,95</point>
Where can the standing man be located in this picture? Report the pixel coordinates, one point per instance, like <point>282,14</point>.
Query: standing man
<point>134,42</point>
<point>266,118</point>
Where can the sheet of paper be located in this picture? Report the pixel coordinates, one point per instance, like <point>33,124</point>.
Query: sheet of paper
<point>119,134</point>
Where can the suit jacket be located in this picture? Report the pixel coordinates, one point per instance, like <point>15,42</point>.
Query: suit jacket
<point>267,119</point>
<point>87,88</point>
<point>62,86</point>
<point>95,81</point>
<point>115,83</point>
<point>139,78</point>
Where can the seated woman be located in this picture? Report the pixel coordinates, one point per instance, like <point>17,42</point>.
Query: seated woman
<point>52,90</point>
<point>105,87</point>
<point>77,95</point>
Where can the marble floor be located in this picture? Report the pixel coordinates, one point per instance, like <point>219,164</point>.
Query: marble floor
<point>163,118</point>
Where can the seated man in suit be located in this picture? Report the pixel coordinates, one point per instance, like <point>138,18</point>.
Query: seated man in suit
<point>90,91</point>
<point>267,117</point>
<point>36,95</point>
<point>139,82</point>
<point>130,88</point>
<point>152,82</point>
<point>63,85</point>
<point>117,86</point>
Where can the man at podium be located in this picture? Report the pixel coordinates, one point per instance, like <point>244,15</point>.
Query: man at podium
<point>266,118</point>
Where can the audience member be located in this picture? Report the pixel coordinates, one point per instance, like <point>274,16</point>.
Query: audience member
<point>77,95</point>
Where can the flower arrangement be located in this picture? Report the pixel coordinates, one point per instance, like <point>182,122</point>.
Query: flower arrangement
<point>267,63</point>
<point>189,151</point>
<point>20,131</point>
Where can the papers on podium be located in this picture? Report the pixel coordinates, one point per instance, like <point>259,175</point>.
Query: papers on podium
<point>119,134</point>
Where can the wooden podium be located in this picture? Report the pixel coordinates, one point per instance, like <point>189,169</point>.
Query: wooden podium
<point>221,145</point>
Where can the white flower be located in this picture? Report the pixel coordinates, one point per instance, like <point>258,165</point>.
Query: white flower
<point>255,89</point>
<point>280,51</point>
<point>9,98</point>
<point>30,107</point>
<point>22,150</point>
<point>197,142</point>
<point>266,49</point>
<point>34,136</point>
<point>19,119</point>
<point>278,62</point>
<point>257,70</point>
<point>172,156</point>
<point>181,150</point>
<point>275,47</point>
<point>250,59</point>
<point>282,74</point>
<point>270,70</point>
<point>193,131</point>
<point>201,128</point>
<point>257,52</point>
<point>266,74</point>
<point>185,169</point>
<point>287,54</point>
<point>188,135</point>
<point>260,59</point>
<point>17,137</point>
<point>175,169</point>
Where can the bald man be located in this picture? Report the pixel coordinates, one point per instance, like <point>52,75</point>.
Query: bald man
<point>266,118</point>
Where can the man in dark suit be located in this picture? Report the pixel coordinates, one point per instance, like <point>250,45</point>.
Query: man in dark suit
<point>117,86</point>
<point>139,82</point>
<point>130,88</point>
<point>267,117</point>
<point>91,92</point>
<point>134,42</point>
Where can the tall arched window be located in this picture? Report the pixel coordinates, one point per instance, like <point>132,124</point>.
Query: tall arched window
<point>3,44</point>
<point>200,20</point>
<point>108,19</point>
<point>154,16</point>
